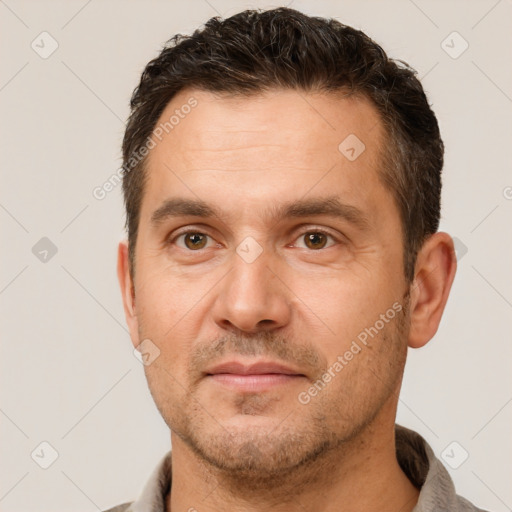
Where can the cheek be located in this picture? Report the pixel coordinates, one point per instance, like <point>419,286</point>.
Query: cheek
<point>338,307</point>
<point>360,378</point>
<point>162,300</point>
<point>169,392</point>
<point>163,319</point>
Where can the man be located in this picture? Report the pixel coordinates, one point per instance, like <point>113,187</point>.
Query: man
<point>282,189</point>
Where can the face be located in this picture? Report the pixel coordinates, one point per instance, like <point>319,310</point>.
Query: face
<point>269,274</point>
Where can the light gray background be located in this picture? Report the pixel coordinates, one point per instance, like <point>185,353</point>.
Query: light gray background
<point>68,374</point>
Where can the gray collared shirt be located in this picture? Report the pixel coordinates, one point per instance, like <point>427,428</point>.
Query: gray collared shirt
<point>415,456</point>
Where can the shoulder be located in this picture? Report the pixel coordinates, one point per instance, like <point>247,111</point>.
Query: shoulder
<point>465,506</point>
<point>120,508</point>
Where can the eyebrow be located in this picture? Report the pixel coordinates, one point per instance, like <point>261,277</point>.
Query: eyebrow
<point>328,206</point>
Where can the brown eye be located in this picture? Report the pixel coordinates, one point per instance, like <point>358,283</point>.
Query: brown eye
<point>195,241</point>
<point>315,240</point>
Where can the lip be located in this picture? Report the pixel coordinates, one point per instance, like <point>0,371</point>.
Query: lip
<point>255,377</point>
<point>258,368</point>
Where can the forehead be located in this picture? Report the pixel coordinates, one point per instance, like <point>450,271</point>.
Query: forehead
<point>230,128</point>
<point>264,148</point>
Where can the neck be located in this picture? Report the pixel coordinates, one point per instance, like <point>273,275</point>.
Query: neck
<point>360,475</point>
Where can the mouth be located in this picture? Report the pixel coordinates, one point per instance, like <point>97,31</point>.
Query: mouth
<point>253,378</point>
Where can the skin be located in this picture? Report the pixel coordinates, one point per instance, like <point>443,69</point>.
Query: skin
<point>299,303</point>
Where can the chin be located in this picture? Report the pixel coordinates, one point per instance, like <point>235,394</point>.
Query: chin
<point>258,446</point>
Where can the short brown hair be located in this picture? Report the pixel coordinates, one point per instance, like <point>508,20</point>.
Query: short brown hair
<point>256,51</point>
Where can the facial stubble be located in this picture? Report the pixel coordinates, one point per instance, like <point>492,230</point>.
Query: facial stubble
<point>300,444</point>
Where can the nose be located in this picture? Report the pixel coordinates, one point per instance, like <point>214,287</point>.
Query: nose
<point>252,297</point>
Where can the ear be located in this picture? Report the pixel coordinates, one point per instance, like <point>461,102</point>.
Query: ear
<point>436,264</point>
<point>127,291</point>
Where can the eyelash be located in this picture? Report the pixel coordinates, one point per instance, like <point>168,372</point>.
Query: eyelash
<point>172,239</point>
